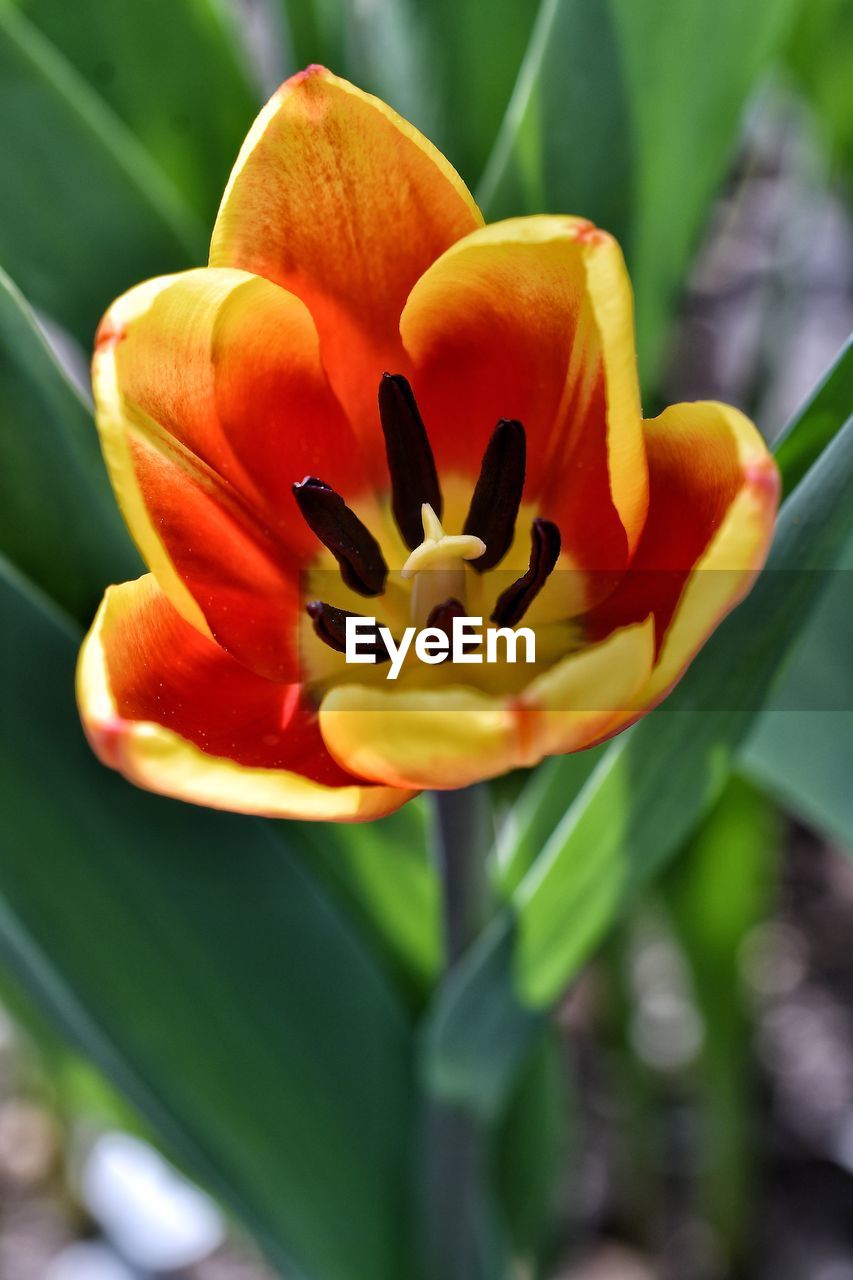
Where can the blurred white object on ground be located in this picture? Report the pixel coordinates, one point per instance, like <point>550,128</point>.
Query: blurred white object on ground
<point>156,1219</point>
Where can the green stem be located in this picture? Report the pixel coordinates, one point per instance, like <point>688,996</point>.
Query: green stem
<point>462,839</point>
<point>456,1196</point>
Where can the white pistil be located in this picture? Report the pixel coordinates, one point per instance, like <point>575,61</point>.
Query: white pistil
<point>438,566</point>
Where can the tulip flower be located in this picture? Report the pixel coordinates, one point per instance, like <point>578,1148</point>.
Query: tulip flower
<point>370,404</point>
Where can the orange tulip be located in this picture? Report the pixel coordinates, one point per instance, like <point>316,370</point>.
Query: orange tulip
<point>367,380</point>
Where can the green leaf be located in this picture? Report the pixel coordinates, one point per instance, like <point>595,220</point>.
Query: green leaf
<point>565,144</point>
<point>802,758</point>
<point>627,112</point>
<point>799,746</point>
<point>479,50</point>
<point>799,750</point>
<point>194,115</point>
<point>532,1147</point>
<point>196,960</point>
<point>59,522</point>
<point>657,781</point>
<point>384,47</point>
<point>316,31</point>
<point>717,891</point>
<point>449,66</point>
<point>384,873</point>
<point>815,423</point>
<point>820,56</point>
<point>477,1033</point>
<point>86,213</point>
<point>689,70</point>
<point>543,801</point>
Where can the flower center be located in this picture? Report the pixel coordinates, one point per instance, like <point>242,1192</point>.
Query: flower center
<point>437,567</point>
<point>438,561</point>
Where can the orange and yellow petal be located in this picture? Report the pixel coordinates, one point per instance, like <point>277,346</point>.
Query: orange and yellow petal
<point>211,401</point>
<point>341,201</point>
<point>170,710</point>
<point>714,492</point>
<point>586,696</point>
<point>452,737</point>
<point>447,737</point>
<point>532,318</point>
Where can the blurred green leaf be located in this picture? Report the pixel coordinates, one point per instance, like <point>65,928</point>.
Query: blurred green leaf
<point>67,1080</point>
<point>814,424</point>
<point>383,46</point>
<point>476,1035</point>
<point>799,750</point>
<point>636,809</point>
<point>716,892</point>
<point>533,1145</point>
<point>195,959</point>
<point>449,66</point>
<point>384,873</point>
<point>85,211</point>
<point>627,111</point>
<point>802,758</point>
<point>820,56</point>
<point>565,145</point>
<point>674,1016</point>
<point>543,801</point>
<point>479,49</point>
<point>657,780</point>
<point>176,75</point>
<point>799,747</point>
<point>316,31</point>
<point>59,522</point>
<point>462,1231</point>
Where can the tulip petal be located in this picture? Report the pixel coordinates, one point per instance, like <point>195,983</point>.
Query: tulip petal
<point>175,714</point>
<point>583,699</point>
<point>449,738</point>
<point>714,490</point>
<point>341,201</point>
<point>211,401</point>
<point>452,737</point>
<point>532,319</point>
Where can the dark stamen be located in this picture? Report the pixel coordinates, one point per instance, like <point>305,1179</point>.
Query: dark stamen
<point>330,626</point>
<point>442,615</point>
<point>351,543</point>
<point>544,552</point>
<point>414,479</point>
<point>497,497</point>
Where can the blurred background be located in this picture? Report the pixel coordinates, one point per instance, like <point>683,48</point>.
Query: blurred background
<point>705,1060</point>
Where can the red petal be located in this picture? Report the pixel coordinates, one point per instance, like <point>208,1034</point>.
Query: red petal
<point>212,401</point>
<point>170,710</point>
<point>341,201</point>
<point>713,495</point>
<point>531,319</point>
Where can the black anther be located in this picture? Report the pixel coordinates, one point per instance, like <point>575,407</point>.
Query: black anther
<point>497,496</point>
<point>330,626</point>
<point>411,465</point>
<point>544,552</point>
<point>352,544</point>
